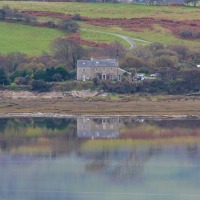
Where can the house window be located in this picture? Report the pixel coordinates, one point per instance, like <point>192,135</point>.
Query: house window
<point>103,121</point>
<point>111,69</point>
<point>112,77</point>
<point>97,127</point>
<point>119,77</point>
<point>96,75</point>
<point>96,69</point>
<point>83,69</point>
<point>104,69</point>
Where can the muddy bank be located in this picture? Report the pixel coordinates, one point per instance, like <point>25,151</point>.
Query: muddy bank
<point>93,103</point>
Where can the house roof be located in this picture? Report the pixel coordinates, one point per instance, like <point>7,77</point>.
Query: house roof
<point>97,63</point>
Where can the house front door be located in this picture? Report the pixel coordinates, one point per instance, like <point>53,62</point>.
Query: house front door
<point>84,77</point>
<point>104,76</point>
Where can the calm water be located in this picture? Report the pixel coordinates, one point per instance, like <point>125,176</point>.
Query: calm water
<point>99,159</point>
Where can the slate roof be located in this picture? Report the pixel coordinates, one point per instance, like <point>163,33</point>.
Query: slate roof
<point>97,63</point>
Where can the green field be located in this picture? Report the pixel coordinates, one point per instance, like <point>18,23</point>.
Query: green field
<point>164,37</point>
<point>35,40</point>
<point>98,10</point>
<point>27,39</point>
<point>100,37</point>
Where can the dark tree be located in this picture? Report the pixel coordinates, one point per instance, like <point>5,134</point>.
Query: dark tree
<point>40,86</point>
<point>3,77</point>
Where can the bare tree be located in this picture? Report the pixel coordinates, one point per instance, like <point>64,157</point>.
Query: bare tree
<point>67,51</point>
<point>114,50</point>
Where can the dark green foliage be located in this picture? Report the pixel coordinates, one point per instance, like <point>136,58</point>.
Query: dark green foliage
<point>40,86</point>
<point>20,73</point>
<point>40,74</point>
<point>197,34</point>
<point>69,25</point>
<point>6,13</point>
<point>51,24</point>
<point>76,17</point>
<point>186,33</point>
<point>23,80</point>
<point>4,80</point>
<point>96,82</point>
<point>119,87</point>
<point>54,74</point>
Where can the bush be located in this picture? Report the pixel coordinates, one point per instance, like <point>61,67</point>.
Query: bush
<point>76,17</point>
<point>19,80</point>
<point>186,33</point>
<point>197,34</point>
<point>20,73</point>
<point>6,13</point>
<point>96,82</point>
<point>40,74</point>
<point>40,86</point>
<point>51,24</point>
<point>4,80</point>
<point>57,77</point>
<point>69,25</point>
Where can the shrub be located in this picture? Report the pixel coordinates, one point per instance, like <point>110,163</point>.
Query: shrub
<point>51,24</point>
<point>186,33</point>
<point>40,86</point>
<point>19,80</point>
<point>76,17</point>
<point>57,77</point>
<point>4,80</point>
<point>40,74</point>
<point>197,34</point>
<point>69,25</point>
<point>96,82</point>
<point>20,73</point>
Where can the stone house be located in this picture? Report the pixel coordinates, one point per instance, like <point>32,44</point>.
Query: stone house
<point>102,69</point>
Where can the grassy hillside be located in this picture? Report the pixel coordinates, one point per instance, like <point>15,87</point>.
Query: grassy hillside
<point>27,39</point>
<point>34,40</point>
<point>157,35</point>
<point>98,10</point>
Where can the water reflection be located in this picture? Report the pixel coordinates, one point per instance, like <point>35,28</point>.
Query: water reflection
<point>99,158</point>
<point>98,127</point>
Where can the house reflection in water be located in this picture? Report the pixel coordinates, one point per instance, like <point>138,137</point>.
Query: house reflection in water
<point>98,127</point>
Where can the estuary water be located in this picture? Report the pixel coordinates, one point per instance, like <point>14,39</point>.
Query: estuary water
<point>99,159</point>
